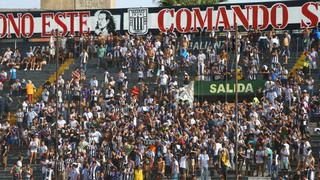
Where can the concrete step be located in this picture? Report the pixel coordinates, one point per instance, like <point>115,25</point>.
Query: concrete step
<point>315,137</point>
<point>315,143</point>
<point>257,178</point>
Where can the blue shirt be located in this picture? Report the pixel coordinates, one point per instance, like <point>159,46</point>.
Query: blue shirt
<point>184,53</point>
<point>13,74</point>
<point>318,35</point>
<point>274,76</point>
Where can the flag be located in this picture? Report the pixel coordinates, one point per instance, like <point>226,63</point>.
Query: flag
<point>51,45</point>
<point>186,93</point>
<point>238,58</point>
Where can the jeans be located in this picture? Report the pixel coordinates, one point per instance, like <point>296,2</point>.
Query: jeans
<point>19,124</point>
<point>175,176</point>
<point>232,160</point>
<point>269,166</point>
<point>204,173</point>
<point>84,66</point>
<point>29,124</point>
<point>275,171</point>
<point>249,169</point>
<point>100,59</point>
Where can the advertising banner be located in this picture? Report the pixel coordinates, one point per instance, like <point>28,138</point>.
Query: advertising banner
<point>217,88</point>
<point>45,23</point>
<point>220,17</point>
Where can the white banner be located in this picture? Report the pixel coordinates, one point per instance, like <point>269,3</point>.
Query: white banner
<point>186,93</point>
<point>226,17</point>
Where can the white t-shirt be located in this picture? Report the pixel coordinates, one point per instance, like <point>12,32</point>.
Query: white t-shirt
<point>89,115</point>
<point>288,93</point>
<point>285,154</point>
<point>96,136</point>
<point>60,96</point>
<point>157,44</point>
<point>175,168</point>
<point>183,162</point>
<point>84,57</point>
<point>94,83</point>
<point>61,122</point>
<point>7,54</point>
<point>73,123</point>
<point>33,146</point>
<point>19,163</point>
<point>217,148</point>
<point>269,84</point>
<point>30,54</point>
<point>310,83</point>
<point>203,160</point>
<point>201,58</point>
<point>140,74</point>
<point>249,153</point>
<point>164,79</point>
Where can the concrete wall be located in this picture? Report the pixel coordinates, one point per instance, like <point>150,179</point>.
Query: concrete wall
<point>76,4</point>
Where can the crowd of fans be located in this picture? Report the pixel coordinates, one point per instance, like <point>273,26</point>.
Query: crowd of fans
<point>132,125</point>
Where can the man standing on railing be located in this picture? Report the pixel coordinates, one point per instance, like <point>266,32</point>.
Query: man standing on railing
<point>286,44</point>
<point>201,65</point>
<point>84,57</point>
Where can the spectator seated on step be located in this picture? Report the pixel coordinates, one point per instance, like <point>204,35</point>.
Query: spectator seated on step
<point>46,54</point>
<point>30,60</point>
<point>34,59</point>
<point>3,76</point>
<point>39,59</point>
<point>7,56</point>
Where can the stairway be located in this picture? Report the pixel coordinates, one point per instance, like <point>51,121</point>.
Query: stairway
<point>297,63</point>
<point>13,157</point>
<point>52,79</point>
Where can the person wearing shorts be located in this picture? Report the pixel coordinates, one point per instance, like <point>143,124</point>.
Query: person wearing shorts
<point>33,147</point>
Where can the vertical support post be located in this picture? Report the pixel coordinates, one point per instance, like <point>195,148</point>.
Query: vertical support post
<point>236,107</point>
<point>57,110</point>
